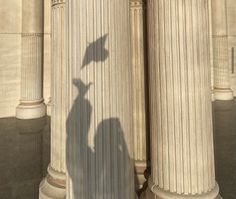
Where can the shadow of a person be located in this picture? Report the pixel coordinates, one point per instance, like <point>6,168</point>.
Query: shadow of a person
<point>105,172</point>
<point>77,125</point>
<point>115,165</point>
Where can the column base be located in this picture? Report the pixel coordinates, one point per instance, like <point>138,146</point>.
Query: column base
<point>53,186</point>
<point>212,96</point>
<point>153,192</point>
<point>26,111</point>
<point>140,175</point>
<point>49,107</point>
<point>223,94</point>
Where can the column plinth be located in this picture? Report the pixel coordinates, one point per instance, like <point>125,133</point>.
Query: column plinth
<point>223,94</point>
<point>154,192</point>
<point>53,186</point>
<point>31,110</point>
<point>182,151</point>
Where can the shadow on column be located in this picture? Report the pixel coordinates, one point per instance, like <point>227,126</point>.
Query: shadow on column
<point>98,161</point>
<point>96,51</point>
<point>102,171</point>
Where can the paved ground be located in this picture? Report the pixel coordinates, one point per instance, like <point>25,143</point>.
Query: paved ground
<point>24,157</point>
<point>25,153</point>
<point>225,147</point>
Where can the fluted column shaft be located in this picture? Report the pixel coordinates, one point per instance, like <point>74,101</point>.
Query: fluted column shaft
<point>99,136</point>
<point>31,102</point>
<point>180,101</point>
<point>221,66</point>
<point>54,184</point>
<point>138,88</point>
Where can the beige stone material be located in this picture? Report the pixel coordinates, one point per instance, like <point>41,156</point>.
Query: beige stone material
<point>10,62</point>
<point>99,126</point>
<point>138,57</point>
<point>10,56</point>
<point>31,103</point>
<point>47,55</point>
<point>181,128</point>
<point>231,21</point>
<point>53,186</point>
<point>10,15</point>
<point>222,88</point>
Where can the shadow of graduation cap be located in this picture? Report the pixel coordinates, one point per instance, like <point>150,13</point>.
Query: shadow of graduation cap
<point>96,51</point>
<point>82,87</point>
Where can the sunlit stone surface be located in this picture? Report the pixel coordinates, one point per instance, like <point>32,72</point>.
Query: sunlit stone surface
<point>31,102</point>
<point>180,101</point>
<point>222,87</point>
<point>99,146</point>
<point>93,79</point>
<point>139,89</point>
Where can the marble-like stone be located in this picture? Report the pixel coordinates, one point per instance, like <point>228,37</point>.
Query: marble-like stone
<point>222,87</point>
<point>138,56</point>
<point>231,21</point>
<point>231,17</point>
<point>211,52</point>
<point>10,56</point>
<point>31,101</point>
<point>47,55</point>
<point>47,68</point>
<point>100,160</point>
<point>182,151</point>
<point>53,186</point>
<point>10,62</point>
<point>10,15</point>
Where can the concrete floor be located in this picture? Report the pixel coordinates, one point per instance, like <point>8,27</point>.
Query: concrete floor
<point>225,147</point>
<point>25,153</point>
<point>24,157</point>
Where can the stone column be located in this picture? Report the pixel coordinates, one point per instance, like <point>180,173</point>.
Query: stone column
<point>222,88</point>
<point>99,137</point>
<point>182,152</point>
<point>211,53</point>
<point>53,186</point>
<point>138,88</point>
<point>31,103</point>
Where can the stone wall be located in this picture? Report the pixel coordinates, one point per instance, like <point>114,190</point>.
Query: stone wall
<point>231,18</point>
<point>10,55</point>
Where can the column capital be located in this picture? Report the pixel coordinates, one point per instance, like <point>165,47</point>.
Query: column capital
<point>56,2</point>
<point>137,3</point>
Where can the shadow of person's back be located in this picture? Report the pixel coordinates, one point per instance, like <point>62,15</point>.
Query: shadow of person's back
<point>77,150</point>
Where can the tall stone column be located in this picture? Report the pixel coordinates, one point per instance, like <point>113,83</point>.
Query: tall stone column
<point>31,103</point>
<point>211,53</point>
<point>182,152</point>
<point>99,138</point>
<point>139,88</point>
<point>221,66</point>
<point>53,186</point>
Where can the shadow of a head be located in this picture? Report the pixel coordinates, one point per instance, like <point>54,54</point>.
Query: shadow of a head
<point>81,86</point>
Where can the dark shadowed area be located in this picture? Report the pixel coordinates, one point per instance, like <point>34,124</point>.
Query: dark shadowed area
<point>25,152</point>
